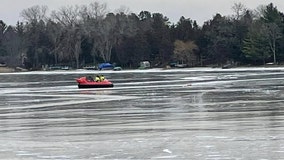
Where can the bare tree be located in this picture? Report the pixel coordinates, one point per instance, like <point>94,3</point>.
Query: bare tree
<point>93,11</point>
<point>34,13</point>
<point>259,11</point>
<point>54,33</point>
<point>35,18</point>
<point>67,16</point>
<point>123,10</point>
<point>71,37</point>
<point>110,32</point>
<point>92,18</point>
<point>106,37</point>
<point>185,52</point>
<point>272,34</point>
<point>239,9</point>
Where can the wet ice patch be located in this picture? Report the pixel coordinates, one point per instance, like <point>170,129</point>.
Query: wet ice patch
<point>167,151</point>
<point>71,100</point>
<point>166,157</point>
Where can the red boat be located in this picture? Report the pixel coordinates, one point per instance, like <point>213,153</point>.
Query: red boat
<point>89,82</point>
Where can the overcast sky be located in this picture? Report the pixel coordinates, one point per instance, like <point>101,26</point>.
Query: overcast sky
<point>199,10</point>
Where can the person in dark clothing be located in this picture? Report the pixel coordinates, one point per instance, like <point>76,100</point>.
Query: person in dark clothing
<point>89,78</point>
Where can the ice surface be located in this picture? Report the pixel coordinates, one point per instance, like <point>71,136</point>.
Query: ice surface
<point>196,113</point>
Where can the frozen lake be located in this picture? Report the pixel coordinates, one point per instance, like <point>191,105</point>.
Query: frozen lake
<point>191,114</point>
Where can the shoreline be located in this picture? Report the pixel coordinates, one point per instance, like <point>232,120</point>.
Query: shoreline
<point>18,69</point>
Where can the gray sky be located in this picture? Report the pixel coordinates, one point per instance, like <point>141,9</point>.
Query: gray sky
<point>199,10</point>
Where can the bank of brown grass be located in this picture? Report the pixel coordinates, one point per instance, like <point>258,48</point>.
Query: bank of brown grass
<point>6,70</point>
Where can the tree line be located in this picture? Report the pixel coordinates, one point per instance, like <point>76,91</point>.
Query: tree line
<point>88,35</point>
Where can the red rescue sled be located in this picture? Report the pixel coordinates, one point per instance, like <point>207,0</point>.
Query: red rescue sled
<point>88,82</point>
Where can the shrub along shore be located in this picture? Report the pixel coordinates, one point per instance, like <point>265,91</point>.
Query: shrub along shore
<point>9,69</point>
